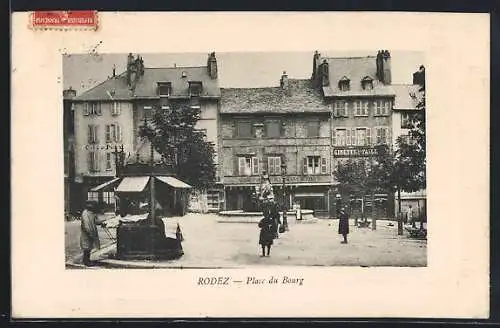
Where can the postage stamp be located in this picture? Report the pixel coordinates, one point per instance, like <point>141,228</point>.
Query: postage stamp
<point>64,20</point>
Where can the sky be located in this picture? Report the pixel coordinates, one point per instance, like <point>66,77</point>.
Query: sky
<point>235,70</point>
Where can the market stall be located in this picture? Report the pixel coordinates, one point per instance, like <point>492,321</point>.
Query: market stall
<point>150,203</point>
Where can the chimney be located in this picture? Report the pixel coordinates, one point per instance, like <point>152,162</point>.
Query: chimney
<point>284,83</point>
<point>325,73</point>
<point>419,76</point>
<point>212,66</point>
<point>135,69</point>
<point>384,66</point>
<point>114,71</point>
<point>69,94</point>
<point>316,58</point>
<point>130,68</point>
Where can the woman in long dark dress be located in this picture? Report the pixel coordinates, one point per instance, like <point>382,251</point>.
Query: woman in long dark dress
<point>343,225</point>
<point>266,236</point>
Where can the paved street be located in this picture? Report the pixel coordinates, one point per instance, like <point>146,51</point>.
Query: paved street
<point>211,244</point>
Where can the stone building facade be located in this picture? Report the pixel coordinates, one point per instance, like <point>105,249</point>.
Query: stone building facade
<point>263,128</point>
<point>111,114</point>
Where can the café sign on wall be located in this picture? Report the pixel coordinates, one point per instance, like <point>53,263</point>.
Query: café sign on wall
<point>96,147</point>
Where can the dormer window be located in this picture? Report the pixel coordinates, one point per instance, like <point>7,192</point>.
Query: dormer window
<point>195,89</point>
<point>164,89</point>
<point>344,84</point>
<point>367,83</point>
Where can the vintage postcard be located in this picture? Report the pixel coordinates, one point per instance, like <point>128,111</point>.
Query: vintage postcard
<point>330,162</point>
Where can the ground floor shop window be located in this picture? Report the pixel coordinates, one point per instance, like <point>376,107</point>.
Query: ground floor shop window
<point>316,203</point>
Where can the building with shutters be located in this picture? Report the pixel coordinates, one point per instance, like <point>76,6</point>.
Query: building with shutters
<point>111,113</point>
<point>361,97</point>
<point>262,128</point>
<point>408,96</point>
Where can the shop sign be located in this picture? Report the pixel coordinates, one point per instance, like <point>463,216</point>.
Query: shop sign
<point>354,152</point>
<point>96,147</point>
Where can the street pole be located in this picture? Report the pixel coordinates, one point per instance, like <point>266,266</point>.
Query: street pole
<point>400,216</point>
<point>284,207</point>
<point>152,205</point>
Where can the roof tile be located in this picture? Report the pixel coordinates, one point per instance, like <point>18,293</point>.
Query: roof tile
<point>302,97</point>
<point>117,88</point>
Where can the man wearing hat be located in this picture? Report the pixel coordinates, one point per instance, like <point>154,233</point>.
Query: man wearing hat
<point>89,237</point>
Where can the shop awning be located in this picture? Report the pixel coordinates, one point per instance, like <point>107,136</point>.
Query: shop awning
<point>173,182</point>
<point>133,184</point>
<point>106,185</point>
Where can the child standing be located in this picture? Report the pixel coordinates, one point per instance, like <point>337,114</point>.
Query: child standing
<point>266,236</point>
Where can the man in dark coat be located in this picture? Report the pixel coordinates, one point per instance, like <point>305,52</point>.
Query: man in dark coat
<point>343,224</point>
<point>266,235</point>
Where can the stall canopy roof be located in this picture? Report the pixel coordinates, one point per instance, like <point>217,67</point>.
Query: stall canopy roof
<point>173,182</point>
<point>106,185</point>
<point>133,184</point>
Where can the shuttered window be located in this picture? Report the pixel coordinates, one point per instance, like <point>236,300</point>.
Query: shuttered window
<point>116,109</point>
<point>323,165</point>
<point>93,133</point>
<point>93,161</point>
<point>274,165</point>
<point>248,165</point>
<point>312,165</point>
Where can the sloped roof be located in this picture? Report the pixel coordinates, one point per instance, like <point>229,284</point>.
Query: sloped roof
<point>407,96</point>
<point>117,88</point>
<point>355,69</point>
<point>302,97</point>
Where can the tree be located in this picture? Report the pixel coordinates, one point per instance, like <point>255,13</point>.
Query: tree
<point>173,135</point>
<point>356,178</point>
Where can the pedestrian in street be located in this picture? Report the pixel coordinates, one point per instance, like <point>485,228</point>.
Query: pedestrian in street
<point>344,224</point>
<point>89,237</point>
<point>266,236</point>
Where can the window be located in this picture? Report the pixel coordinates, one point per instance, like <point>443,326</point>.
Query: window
<point>93,134</point>
<point>382,107</point>
<point>109,161</point>
<point>248,165</point>
<point>244,130</point>
<point>195,89</point>
<point>164,89</point>
<point>340,137</point>
<point>315,165</point>
<point>93,108</point>
<point>340,108</point>
<point>274,165</point>
<point>108,197</point>
<point>116,109</point>
<point>363,137</point>
<point>148,112</point>
<point>344,84</point>
<point>360,108</point>
<point>93,196</point>
<point>406,121</point>
<point>382,135</point>
<point>273,129</point>
<point>93,161</point>
<point>113,133</point>
<point>408,138</point>
<point>195,102</point>
<point>367,83</point>
<point>312,129</point>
